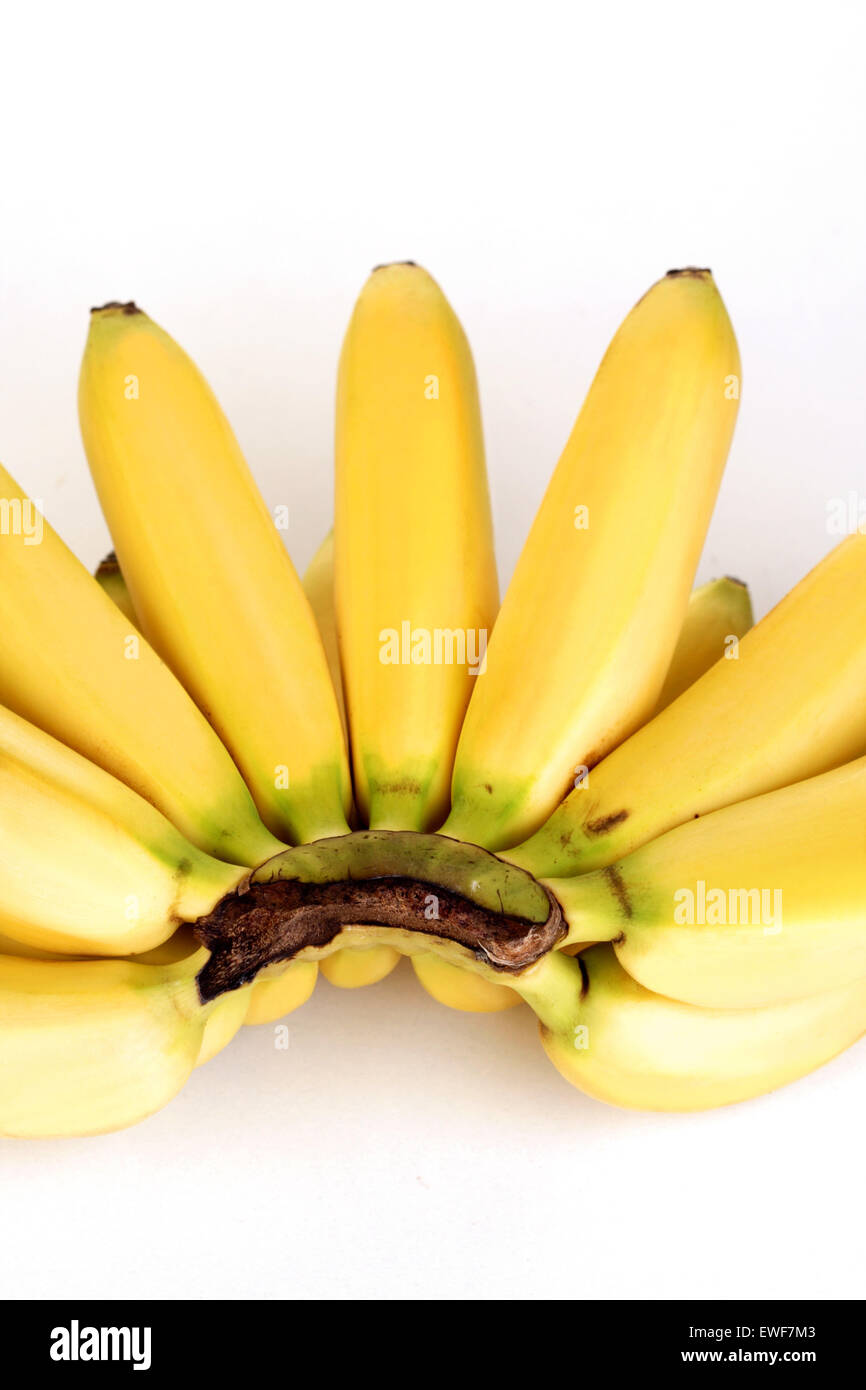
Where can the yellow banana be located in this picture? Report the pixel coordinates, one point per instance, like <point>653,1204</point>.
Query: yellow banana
<point>318,585</point>
<point>717,611</point>
<point>209,576</point>
<point>271,997</point>
<point>86,865</point>
<point>91,1046</point>
<point>592,615</point>
<point>355,966</point>
<point>758,903</point>
<point>461,989</point>
<point>415,571</point>
<point>109,577</point>
<point>275,994</point>
<point>347,969</point>
<point>274,997</point>
<point>70,664</point>
<point>632,1048</point>
<point>791,705</point>
<point>225,1019</point>
<point>718,615</point>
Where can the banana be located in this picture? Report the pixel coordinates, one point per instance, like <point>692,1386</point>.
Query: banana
<point>460,989</point>
<point>756,904</point>
<point>632,1048</point>
<point>70,664</point>
<point>277,992</point>
<point>92,1046</point>
<point>209,576</point>
<point>86,865</point>
<point>791,705</point>
<point>318,582</point>
<point>592,615</point>
<point>272,998</point>
<point>347,969</point>
<point>356,966</point>
<point>109,577</point>
<point>226,1018</point>
<point>716,610</point>
<point>717,613</point>
<point>415,572</point>
<point>225,1022</point>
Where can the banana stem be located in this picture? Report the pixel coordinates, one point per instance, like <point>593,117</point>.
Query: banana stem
<point>553,988</point>
<point>593,905</point>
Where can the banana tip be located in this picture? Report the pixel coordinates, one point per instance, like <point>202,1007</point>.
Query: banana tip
<point>697,271</point>
<point>386,265</point>
<point>115,306</point>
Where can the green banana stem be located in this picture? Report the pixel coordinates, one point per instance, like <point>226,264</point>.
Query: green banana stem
<point>594,905</point>
<point>553,988</point>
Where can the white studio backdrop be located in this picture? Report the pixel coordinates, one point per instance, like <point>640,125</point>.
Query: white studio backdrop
<point>238,170</point>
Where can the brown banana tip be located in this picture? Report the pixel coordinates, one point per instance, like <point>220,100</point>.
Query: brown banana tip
<point>386,265</point>
<point>696,270</point>
<point>130,307</point>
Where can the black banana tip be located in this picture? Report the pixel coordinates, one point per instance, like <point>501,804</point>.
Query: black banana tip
<point>130,307</point>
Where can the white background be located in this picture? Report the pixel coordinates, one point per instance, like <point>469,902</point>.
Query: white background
<point>237,170</point>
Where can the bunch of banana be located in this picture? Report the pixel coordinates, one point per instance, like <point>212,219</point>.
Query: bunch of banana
<point>215,778</point>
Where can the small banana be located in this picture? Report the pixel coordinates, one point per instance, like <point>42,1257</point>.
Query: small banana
<point>70,663</point>
<point>415,571</point>
<point>591,617</point>
<point>209,576</point>
<point>347,969</point>
<point>223,1021</point>
<point>318,582</point>
<point>792,704</point>
<point>278,992</point>
<point>758,903</point>
<point>718,615</point>
<point>86,865</point>
<point>461,989</point>
<point>109,577</point>
<point>629,1047</point>
<point>284,991</point>
<point>717,611</point>
<point>92,1046</point>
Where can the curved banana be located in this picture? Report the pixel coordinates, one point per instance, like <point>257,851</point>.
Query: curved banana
<point>272,998</point>
<point>718,615</point>
<point>758,903</point>
<point>632,1048</point>
<point>208,573</point>
<point>347,969</point>
<point>70,664</point>
<point>318,582</point>
<point>791,705</point>
<point>591,617</point>
<point>415,571</point>
<point>86,865</point>
<point>460,989</point>
<point>278,992</point>
<point>356,966</point>
<point>226,1018</point>
<point>109,577</point>
<point>717,611</point>
<point>92,1046</point>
